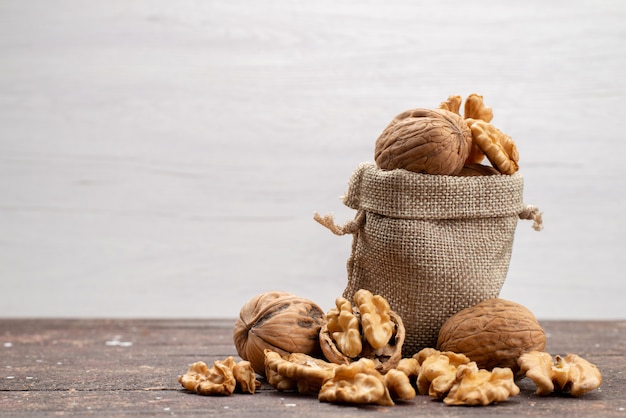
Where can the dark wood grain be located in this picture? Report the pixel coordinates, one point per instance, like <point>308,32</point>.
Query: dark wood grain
<point>129,367</point>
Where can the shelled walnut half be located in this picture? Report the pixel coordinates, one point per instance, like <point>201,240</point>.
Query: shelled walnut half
<point>487,140</point>
<point>358,382</point>
<point>297,372</point>
<point>223,378</point>
<point>571,373</point>
<point>475,386</point>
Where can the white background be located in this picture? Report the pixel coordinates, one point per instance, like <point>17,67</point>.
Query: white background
<point>164,159</point>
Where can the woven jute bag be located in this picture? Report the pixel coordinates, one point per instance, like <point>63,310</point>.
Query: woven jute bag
<point>432,245</point>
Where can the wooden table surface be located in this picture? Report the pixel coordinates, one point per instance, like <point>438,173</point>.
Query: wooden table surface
<point>129,367</point>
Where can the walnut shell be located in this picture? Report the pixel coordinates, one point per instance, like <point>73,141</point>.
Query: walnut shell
<point>279,321</point>
<point>384,359</point>
<point>431,141</point>
<point>493,333</point>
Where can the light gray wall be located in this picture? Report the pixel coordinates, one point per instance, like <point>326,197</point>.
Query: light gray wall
<point>164,159</point>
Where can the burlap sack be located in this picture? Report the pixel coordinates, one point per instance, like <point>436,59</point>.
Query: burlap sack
<point>431,245</point>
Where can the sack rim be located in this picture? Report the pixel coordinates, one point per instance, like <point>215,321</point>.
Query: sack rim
<point>404,194</point>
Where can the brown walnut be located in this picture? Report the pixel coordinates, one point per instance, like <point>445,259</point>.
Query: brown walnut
<point>431,141</point>
<point>278,321</point>
<point>493,333</point>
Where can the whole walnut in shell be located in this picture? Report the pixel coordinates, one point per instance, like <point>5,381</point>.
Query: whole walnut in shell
<point>493,333</point>
<point>431,141</point>
<point>278,321</point>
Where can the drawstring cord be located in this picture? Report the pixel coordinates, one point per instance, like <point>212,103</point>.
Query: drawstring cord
<point>350,227</point>
<point>532,213</point>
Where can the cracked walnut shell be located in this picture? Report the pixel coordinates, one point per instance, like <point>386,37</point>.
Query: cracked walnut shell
<point>338,348</point>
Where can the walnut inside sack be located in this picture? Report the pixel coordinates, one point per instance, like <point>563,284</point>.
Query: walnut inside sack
<point>431,141</point>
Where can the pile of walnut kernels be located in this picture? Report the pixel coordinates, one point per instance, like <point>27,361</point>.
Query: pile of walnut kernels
<point>378,375</point>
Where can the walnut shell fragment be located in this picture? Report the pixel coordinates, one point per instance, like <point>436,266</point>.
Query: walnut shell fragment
<point>493,333</point>
<point>279,321</point>
<point>431,141</point>
<point>571,373</point>
<point>385,357</point>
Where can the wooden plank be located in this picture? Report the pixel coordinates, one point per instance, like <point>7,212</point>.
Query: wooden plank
<point>122,367</point>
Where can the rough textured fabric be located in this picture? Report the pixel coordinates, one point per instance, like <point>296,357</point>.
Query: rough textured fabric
<point>431,245</point>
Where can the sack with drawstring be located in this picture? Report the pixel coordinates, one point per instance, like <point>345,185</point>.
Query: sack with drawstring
<point>432,245</point>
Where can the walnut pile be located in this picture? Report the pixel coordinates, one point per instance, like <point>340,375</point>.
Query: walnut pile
<point>357,383</point>
<point>445,376</point>
<point>362,343</point>
<point>442,375</point>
